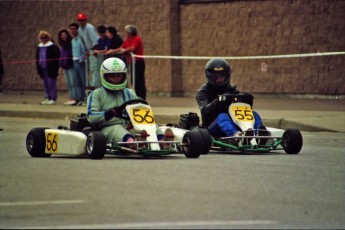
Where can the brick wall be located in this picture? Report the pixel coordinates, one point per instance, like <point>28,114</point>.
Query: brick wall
<point>247,28</point>
<point>229,28</point>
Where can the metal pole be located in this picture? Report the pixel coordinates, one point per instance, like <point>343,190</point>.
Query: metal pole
<point>133,69</point>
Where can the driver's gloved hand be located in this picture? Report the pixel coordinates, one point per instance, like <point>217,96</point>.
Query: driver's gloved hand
<point>225,100</point>
<point>248,98</point>
<point>228,98</point>
<point>110,113</point>
<point>222,98</point>
<point>117,111</point>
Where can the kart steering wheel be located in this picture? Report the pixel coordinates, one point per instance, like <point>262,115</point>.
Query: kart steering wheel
<point>242,97</point>
<point>122,108</point>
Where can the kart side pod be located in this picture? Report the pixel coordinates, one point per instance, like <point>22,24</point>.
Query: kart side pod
<point>42,142</point>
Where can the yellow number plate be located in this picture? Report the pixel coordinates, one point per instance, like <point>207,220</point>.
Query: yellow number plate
<point>52,140</point>
<point>242,113</point>
<point>142,116</point>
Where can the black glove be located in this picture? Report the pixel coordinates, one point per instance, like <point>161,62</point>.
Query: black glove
<point>110,113</point>
<point>222,98</point>
<point>248,98</point>
<point>226,98</point>
<point>113,112</point>
<point>117,111</point>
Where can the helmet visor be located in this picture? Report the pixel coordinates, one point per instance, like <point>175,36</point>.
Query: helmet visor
<point>218,79</point>
<point>115,78</point>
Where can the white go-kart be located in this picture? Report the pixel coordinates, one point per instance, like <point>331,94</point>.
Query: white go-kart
<point>83,139</point>
<point>263,139</point>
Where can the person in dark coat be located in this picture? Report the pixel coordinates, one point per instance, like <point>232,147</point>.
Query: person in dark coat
<point>47,65</point>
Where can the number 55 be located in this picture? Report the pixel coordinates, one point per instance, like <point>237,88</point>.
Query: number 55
<point>244,114</point>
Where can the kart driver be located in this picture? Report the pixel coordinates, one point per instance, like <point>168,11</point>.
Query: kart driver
<point>103,102</point>
<point>214,105</point>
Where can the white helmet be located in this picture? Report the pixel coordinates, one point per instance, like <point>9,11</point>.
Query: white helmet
<point>110,68</point>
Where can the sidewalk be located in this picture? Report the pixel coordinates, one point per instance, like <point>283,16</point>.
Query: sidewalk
<point>278,112</point>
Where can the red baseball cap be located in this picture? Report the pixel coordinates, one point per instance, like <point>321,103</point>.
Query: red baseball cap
<point>81,16</point>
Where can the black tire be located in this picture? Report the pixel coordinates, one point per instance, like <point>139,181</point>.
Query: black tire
<point>96,144</point>
<point>36,142</point>
<point>192,147</point>
<point>87,130</point>
<point>206,139</point>
<point>292,141</point>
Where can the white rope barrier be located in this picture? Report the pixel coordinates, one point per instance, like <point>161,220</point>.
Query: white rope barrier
<point>318,54</point>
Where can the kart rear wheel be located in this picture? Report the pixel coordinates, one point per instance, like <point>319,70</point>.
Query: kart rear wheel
<point>36,142</point>
<point>206,139</point>
<point>96,144</point>
<point>86,130</point>
<point>292,141</point>
<point>192,147</point>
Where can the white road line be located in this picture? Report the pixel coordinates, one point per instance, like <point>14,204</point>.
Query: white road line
<point>178,224</point>
<point>28,203</point>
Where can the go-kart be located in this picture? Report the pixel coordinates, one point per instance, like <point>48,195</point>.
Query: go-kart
<point>83,139</point>
<point>261,140</point>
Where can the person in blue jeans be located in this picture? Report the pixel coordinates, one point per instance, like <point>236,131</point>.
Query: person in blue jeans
<point>79,63</point>
<point>213,104</point>
<point>66,63</point>
<point>88,35</point>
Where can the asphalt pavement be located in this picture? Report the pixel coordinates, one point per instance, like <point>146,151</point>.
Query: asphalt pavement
<point>307,113</point>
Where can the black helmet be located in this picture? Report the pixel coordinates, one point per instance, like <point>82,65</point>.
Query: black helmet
<point>216,68</point>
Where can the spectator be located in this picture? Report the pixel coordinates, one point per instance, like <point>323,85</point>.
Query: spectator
<point>115,42</point>
<point>2,72</point>
<point>79,63</point>
<point>134,43</point>
<point>66,63</point>
<point>47,65</point>
<point>102,45</point>
<point>89,37</point>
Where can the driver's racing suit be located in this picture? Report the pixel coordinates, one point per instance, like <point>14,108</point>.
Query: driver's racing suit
<point>214,113</point>
<point>101,100</point>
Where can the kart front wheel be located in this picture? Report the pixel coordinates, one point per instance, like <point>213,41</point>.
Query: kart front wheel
<point>96,144</point>
<point>36,142</point>
<point>292,141</point>
<point>192,147</point>
<point>206,139</point>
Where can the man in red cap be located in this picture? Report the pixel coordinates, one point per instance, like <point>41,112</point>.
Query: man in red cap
<point>89,37</point>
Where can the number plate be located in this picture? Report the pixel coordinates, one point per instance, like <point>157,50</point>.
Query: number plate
<point>143,116</point>
<point>52,140</point>
<point>242,113</point>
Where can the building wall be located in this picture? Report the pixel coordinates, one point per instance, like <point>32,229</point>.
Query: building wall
<point>173,27</point>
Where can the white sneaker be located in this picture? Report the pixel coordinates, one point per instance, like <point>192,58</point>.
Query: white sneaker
<point>237,140</point>
<point>51,102</point>
<point>44,102</point>
<point>71,102</point>
<point>81,103</point>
